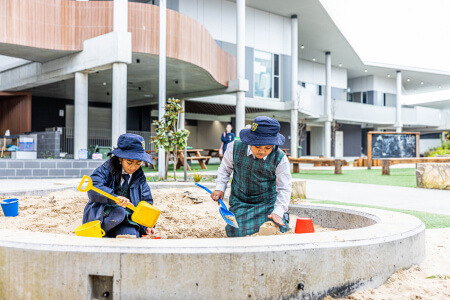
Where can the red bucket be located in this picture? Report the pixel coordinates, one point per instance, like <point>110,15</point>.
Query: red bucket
<point>304,225</point>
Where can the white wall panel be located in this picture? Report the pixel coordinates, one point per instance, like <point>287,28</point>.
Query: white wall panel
<point>276,33</point>
<point>264,31</point>
<point>385,85</point>
<point>200,12</point>
<point>287,36</point>
<point>250,27</point>
<point>312,72</point>
<point>213,18</point>
<point>189,8</point>
<point>228,26</point>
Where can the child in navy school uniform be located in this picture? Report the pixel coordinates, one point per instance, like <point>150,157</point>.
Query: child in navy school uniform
<point>123,177</point>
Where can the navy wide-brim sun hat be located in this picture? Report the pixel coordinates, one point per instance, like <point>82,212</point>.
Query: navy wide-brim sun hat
<point>131,146</point>
<point>264,131</point>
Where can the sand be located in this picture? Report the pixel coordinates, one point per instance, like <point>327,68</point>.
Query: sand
<point>185,213</point>
<point>412,283</point>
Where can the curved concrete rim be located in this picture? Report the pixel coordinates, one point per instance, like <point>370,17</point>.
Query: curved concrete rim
<point>389,226</point>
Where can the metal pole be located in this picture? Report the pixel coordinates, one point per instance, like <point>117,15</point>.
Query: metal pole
<point>182,123</point>
<point>240,65</point>
<point>398,104</point>
<point>162,80</point>
<point>328,114</point>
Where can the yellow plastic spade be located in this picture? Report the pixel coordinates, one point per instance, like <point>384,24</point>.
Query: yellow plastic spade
<point>144,214</point>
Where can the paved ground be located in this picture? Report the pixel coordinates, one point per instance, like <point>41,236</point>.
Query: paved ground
<point>21,187</point>
<point>434,201</point>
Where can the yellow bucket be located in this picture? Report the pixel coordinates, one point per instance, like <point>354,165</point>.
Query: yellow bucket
<point>91,229</point>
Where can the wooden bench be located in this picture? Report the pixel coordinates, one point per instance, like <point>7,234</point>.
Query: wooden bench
<point>213,153</point>
<point>338,163</point>
<point>363,162</point>
<point>386,163</point>
<point>201,161</point>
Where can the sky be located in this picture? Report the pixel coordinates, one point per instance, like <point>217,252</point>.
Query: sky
<point>410,33</point>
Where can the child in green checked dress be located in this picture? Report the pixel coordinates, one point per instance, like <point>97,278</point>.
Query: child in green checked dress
<point>262,183</point>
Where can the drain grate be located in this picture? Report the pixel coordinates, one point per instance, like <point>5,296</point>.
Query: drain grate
<point>101,287</point>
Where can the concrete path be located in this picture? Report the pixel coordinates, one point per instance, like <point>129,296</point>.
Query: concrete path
<point>35,187</point>
<point>433,201</point>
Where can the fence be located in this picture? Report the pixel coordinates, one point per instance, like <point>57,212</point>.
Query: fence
<point>96,137</point>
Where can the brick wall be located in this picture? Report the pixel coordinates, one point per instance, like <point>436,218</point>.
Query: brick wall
<point>46,168</point>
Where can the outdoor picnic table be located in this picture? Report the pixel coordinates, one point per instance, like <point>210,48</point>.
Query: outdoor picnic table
<point>213,153</point>
<point>192,154</point>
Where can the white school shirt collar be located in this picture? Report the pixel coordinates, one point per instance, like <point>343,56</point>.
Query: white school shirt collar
<point>123,172</point>
<point>249,152</point>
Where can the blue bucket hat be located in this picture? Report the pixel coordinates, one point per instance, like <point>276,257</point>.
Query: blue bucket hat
<point>131,146</point>
<point>264,131</point>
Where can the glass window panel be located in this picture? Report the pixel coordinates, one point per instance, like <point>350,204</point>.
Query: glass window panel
<point>276,87</point>
<point>263,74</point>
<point>276,64</point>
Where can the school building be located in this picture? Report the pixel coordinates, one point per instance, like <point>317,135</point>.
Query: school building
<point>88,70</point>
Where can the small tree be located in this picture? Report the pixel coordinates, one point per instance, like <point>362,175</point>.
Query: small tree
<point>301,131</point>
<point>335,126</point>
<point>168,136</point>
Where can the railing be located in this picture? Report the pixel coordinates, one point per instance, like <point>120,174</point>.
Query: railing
<point>96,137</point>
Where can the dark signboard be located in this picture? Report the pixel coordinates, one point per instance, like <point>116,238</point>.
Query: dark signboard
<point>393,145</point>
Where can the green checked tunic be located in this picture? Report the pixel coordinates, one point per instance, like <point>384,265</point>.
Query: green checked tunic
<point>253,190</point>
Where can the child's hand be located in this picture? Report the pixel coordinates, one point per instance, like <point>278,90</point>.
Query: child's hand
<point>277,219</point>
<point>150,231</point>
<point>216,195</point>
<point>124,201</point>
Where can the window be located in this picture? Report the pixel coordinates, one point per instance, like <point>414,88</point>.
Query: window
<point>267,75</point>
<point>364,97</point>
<point>384,99</point>
<point>319,90</point>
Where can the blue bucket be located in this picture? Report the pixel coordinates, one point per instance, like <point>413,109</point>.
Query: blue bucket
<point>10,207</point>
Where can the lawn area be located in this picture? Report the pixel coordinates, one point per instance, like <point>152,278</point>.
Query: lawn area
<point>196,167</point>
<point>398,177</point>
<point>429,219</point>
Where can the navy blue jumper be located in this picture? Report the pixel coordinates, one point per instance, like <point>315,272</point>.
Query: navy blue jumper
<point>104,180</point>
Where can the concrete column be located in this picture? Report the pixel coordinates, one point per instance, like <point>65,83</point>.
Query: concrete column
<point>398,105</point>
<point>328,112</point>
<point>240,66</point>
<point>294,75</point>
<point>162,80</point>
<point>119,101</point>
<point>120,20</point>
<point>119,82</point>
<point>80,113</point>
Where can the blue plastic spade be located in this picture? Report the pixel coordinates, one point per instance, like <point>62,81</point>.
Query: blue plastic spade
<point>224,212</point>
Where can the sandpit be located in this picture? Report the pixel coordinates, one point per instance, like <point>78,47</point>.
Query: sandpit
<point>185,213</point>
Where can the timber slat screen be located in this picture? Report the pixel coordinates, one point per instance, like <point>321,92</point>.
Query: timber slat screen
<point>392,145</point>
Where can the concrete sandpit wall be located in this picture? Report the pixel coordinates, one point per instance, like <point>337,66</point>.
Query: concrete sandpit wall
<point>308,266</point>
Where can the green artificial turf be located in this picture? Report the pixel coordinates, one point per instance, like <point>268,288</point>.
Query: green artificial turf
<point>196,167</point>
<point>430,220</point>
<point>398,177</point>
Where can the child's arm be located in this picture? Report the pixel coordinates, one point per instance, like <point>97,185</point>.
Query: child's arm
<point>224,173</point>
<point>99,179</point>
<point>284,189</point>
